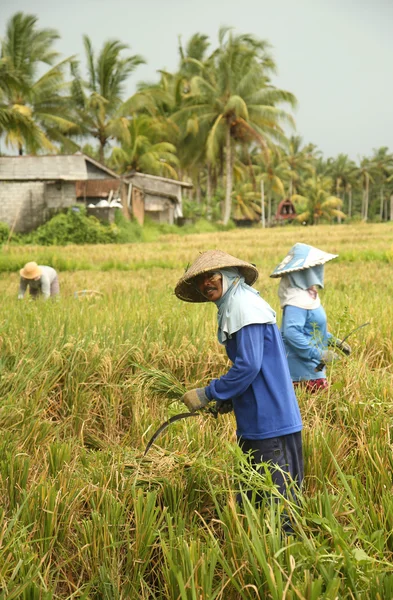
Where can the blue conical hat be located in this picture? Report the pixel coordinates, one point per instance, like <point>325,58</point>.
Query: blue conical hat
<point>300,257</point>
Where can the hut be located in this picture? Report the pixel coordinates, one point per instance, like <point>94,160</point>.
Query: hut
<point>285,211</point>
<point>34,188</point>
<point>159,198</point>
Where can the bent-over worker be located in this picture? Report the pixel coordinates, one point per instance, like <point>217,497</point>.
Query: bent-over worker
<point>40,279</point>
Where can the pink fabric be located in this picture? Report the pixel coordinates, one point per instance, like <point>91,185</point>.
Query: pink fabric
<point>313,385</point>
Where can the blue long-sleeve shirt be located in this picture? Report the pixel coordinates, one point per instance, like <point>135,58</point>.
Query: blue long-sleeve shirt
<point>259,384</point>
<point>305,337</point>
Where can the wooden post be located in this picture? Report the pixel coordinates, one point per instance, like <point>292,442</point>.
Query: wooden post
<point>263,223</point>
<point>366,198</point>
<point>350,202</point>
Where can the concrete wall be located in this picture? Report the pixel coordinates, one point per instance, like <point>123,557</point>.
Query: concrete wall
<point>156,185</point>
<point>105,214</point>
<point>138,205</point>
<point>160,189</point>
<point>94,172</point>
<point>159,209</point>
<point>24,205</point>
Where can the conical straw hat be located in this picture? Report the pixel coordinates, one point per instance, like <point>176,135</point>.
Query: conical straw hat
<point>30,271</point>
<point>211,260</point>
<point>301,257</point>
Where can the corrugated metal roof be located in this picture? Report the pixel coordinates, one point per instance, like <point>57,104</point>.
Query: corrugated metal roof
<point>64,167</point>
<point>27,168</point>
<point>136,174</point>
<point>97,188</point>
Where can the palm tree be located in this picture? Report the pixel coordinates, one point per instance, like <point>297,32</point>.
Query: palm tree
<point>191,57</point>
<point>273,169</point>
<point>317,201</point>
<point>247,202</point>
<point>300,163</point>
<point>383,163</point>
<point>168,97</point>
<point>233,101</point>
<point>102,112</point>
<point>40,102</point>
<point>343,171</point>
<point>10,118</point>
<point>366,173</point>
<point>143,151</point>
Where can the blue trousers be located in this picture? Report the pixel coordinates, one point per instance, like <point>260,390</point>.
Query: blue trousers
<point>284,452</point>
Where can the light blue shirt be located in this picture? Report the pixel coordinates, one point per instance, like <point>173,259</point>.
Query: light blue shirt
<point>305,338</point>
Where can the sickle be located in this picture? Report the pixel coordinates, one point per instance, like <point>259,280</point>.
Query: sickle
<point>353,331</point>
<point>322,364</point>
<point>211,410</point>
<point>165,425</point>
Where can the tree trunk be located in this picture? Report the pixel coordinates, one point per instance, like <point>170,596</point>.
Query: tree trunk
<point>350,203</point>
<point>366,198</point>
<point>339,218</point>
<point>391,207</point>
<point>381,196</point>
<point>209,193</point>
<point>252,174</point>
<point>263,204</point>
<point>20,150</point>
<point>269,209</point>
<point>198,188</point>
<point>221,166</point>
<point>214,180</point>
<point>102,153</point>
<point>229,177</point>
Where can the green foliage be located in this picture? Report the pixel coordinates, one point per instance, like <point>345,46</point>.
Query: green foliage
<point>128,231</point>
<point>4,232</point>
<point>41,114</point>
<point>316,202</point>
<point>72,227</point>
<point>193,210</point>
<point>98,98</point>
<point>144,149</point>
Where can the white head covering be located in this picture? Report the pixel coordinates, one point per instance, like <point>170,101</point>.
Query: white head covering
<point>295,296</point>
<point>240,305</point>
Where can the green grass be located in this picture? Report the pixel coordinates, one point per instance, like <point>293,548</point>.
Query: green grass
<point>84,383</point>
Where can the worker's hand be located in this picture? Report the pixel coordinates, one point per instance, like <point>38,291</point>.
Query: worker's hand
<point>342,346</point>
<point>195,399</point>
<point>224,406</point>
<point>328,356</point>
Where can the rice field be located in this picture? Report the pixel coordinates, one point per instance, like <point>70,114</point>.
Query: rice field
<point>84,382</point>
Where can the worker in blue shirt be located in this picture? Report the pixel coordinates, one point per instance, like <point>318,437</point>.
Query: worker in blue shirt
<point>309,345</point>
<point>258,385</point>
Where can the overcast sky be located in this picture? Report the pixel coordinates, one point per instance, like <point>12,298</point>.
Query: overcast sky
<point>336,56</point>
